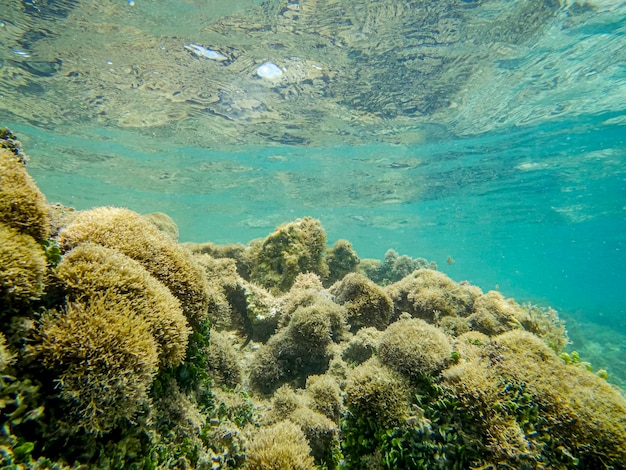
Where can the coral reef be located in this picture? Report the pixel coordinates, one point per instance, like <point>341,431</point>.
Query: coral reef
<point>529,406</point>
<point>429,295</point>
<point>164,223</point>
<point>90,270</point>
<point>299,349</point>
<point>6,357</point>
<point>413,347</point>
<point>125,349</point>
<point>393,267</point>
<point>376,393</point>
<point>493,314</point>
<point>362,346</point>
<point>341,260</point>
<point>104,358</point>
<point>8,140</point>
<point>324,396</point>
<point>222,361</point>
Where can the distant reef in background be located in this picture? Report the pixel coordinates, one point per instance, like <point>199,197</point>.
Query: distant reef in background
<point>122,348</point>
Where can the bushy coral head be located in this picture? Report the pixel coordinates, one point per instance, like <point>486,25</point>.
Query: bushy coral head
<point>374,392</point>
<point>129,233</point>
<point>23,267</point>
<point>341,260</point>
<point>104,360</point>
<point>281,446</point>
<point>413,347</point>
<point>430,294</point>
<point>91,270</point>
<point>22,205</point>
<point>295,247</point>
<point>366,303</point>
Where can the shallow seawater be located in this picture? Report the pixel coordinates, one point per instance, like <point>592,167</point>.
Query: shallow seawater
<point>490,133</point>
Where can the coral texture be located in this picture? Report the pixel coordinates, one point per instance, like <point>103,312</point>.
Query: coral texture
<point>366,303</point>
<point>294,248</point>
<point>23,267</point>
<point>127,232</point>
<point>281,446</point>
<point>22,204</point>
<point>104,359</point>
<point>90,270</point>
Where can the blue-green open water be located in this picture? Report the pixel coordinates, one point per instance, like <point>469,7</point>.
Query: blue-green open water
<point>524,187</point>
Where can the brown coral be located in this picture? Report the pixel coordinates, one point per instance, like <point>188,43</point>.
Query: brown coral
<point>23,267</point>
<point>366,303</point>
<point>493,314</point>
<point>295,247</point>
<point>22,205</point>
<point>281,446</point>
<point>90,269</point>
<point>429,294</point>
<point>529,403</point>
<point>299,349</point>
<point>104,360</point>
<point>341,260</point>
<point>376,393</point>
<point>127,232</point>
<point>414,348</point>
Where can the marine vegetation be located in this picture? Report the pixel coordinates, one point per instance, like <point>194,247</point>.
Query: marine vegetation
<point>121,348</point>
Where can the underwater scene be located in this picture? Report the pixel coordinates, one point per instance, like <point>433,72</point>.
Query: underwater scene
<point>312,234</point>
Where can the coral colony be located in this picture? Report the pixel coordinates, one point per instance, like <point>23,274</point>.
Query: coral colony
<point>122,348</point>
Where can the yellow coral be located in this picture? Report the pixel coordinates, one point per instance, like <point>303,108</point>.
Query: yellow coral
<point>22,205</point>
<point>104,360</point>
<point>129,233</point>
<point>164,223</point>
<point>300,348</point>
<point>583,417</point>
<point>493,314</point>
<point>23,267</point>
<point>362,345</point>
<point>325,396</point>
<point>366,303</point>
<point>341,260</point>
<point>222,361</point>
<point>413,347</point>
<point>319,431</point>
<point>295,247</point>
<point>91,269</point>
<point>281,446</point>
<point>6,357</point>
<point>429,294</point>
<point>376,393</point>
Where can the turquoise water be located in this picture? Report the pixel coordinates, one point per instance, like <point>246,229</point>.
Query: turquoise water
<point>508,156</point>
<point>537,212</point>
